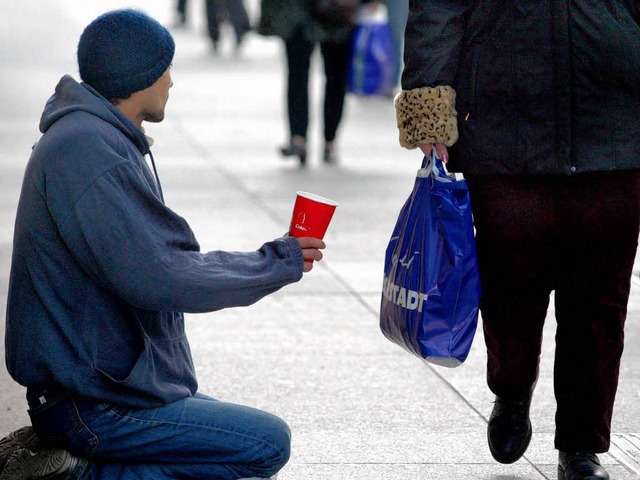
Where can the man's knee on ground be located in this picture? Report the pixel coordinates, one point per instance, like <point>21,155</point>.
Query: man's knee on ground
<point>273,448</point>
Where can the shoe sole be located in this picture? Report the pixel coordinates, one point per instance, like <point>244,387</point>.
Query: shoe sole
<point>560,473</point>
<point>302,157</point>
<point>22,438</point>
<point>46,464</point>
<point>562,476</point>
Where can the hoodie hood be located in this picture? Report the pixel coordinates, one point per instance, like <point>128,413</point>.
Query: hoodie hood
<point>71,96</point>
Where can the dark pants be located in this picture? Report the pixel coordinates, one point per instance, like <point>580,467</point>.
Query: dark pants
<point>576,236</point>
<point>336,67</point>
<point>182,7</point>
<point>231,10</point>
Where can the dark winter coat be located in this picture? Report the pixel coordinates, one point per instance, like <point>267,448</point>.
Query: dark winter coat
<point>281,18</point>
<point>542,87</point>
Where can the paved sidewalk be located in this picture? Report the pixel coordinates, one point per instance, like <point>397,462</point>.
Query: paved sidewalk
<point>359,407</point>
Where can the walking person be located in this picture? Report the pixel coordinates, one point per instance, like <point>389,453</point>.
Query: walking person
<point>398,11</point>
<point>181,11</point>
<point>233,11</point>
<point>292,21</point>
<point>538,105</point>
<point>101,272</point>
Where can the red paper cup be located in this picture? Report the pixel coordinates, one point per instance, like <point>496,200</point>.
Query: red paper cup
<point>311,215</point>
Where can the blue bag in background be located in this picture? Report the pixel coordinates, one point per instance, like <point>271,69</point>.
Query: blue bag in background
<point>371,69</point>
<point>431,289</point>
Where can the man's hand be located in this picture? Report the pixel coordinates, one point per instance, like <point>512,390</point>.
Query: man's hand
<point>441,150</point>
<point>311,251</point>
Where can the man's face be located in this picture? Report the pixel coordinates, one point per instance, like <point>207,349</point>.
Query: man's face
<point>155,98</point>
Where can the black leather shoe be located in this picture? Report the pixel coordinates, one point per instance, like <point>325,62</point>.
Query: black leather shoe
<point>293,150</point>
<point>22,438</point>
<point>580,466</point>
<point>509,431</point>
<point>43,464</point>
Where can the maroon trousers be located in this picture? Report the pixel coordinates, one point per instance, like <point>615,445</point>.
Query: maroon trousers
<point>576,236</point>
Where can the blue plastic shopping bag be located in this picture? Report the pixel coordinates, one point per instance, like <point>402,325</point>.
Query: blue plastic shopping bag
<point>372,65</point>
<point>431,289</point>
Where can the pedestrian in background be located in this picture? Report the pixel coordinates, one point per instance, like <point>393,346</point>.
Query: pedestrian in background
<point>232,11</point>
<point>538,105</point>
<point>101,272</point>
<point>181,11</point>
<point>292,21</point>
<point>397,11</point>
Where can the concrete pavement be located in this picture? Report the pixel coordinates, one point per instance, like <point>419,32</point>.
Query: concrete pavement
<point>359,407</point>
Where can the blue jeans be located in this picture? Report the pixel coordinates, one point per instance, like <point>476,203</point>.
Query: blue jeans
<point>194,438</point>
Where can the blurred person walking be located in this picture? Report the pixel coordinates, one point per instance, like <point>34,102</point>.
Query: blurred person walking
<point>538,105</point>
<point>292,21</point>
<point>181,12</point>
<point>398,11</point>
<point>232,11</point>
<point>101,273</point>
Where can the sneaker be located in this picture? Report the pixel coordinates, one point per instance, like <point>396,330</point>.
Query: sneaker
<point>44,464</point>
<point>22,438</point>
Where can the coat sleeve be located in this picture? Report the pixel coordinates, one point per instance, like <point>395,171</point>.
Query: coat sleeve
<point>425,108</point>
<point>135,247</point>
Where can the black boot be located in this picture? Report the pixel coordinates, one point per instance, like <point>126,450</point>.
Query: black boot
<point>509,431</point>
<point>580,466</point>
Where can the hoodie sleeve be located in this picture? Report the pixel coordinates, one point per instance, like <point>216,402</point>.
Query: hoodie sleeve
<point>133,245</point>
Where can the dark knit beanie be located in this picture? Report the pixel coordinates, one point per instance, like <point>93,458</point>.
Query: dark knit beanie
<point>124,51</point>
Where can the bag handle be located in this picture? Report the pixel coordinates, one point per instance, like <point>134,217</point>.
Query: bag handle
<point>432,167</point>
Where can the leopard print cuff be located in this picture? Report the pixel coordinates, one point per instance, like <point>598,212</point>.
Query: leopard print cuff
<point>427,115</point>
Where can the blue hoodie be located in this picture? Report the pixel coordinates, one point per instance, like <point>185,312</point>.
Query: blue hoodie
<point>102,269</point>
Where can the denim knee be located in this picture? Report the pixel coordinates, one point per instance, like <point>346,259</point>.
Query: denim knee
<point>284,442</point>
<point>276,449</point>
